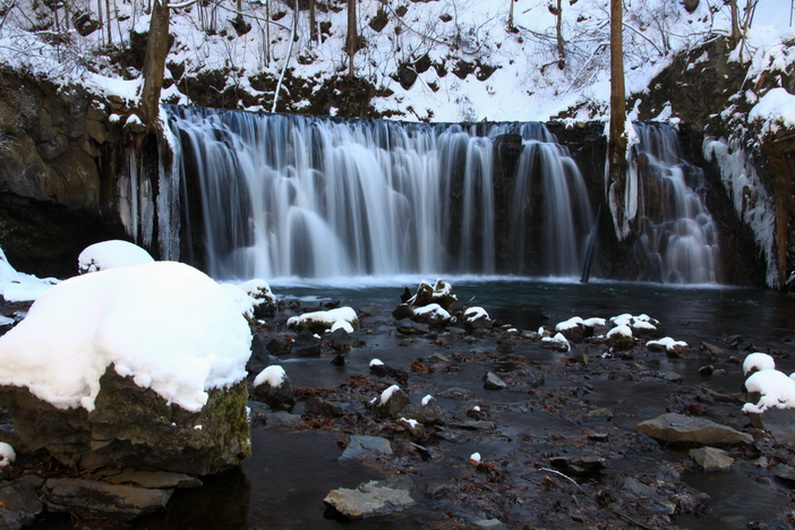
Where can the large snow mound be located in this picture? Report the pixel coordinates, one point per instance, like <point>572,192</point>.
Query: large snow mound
<point>169,326</point>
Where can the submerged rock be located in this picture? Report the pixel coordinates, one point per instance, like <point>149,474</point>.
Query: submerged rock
<point>372,498</point>
<point>94,498</point>
<point>364,445</point>
<point>688,430</point>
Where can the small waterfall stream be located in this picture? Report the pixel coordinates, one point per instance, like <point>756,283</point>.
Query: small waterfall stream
<point>276,196</point>
<point>676,231</point>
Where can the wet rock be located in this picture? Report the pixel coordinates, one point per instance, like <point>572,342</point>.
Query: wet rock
<point>713,350</point>
<point>392,402</point>
<point>505,347</point>
<point>280,395</point>
<point>778,422</point>
<point>490,523</point>
<point>321,407</point>
<point>784,473</point>
<point>152,479</point>
<point>492,381</point>
<point>372,498</point>
<point>578,465</point>
<point>687,430</point>
<point>94,498</point>
<point>380,369</point>
<point>413,428</point>
<point>711,458</point>
<point>706,371</point>
<point>280,345</point>
<point>670,376</point>
<point>409,327</point>
<point>474,425</point>
<point>135,427</point>
<point>440,293</point>
<point>402,311</point>
<point>651,498</point>
<point>432,314</point>
<point>364,445</point>
<point>341,341</point>
<point>20,502</point>
<point>429,412</point>
<point>307,344</point>
<point>477,321</point>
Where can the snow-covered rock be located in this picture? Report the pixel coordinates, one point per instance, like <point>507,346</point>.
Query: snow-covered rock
<point>129,358</point>
<point>667,344</point>
<point>320,321</point>
<point>272,386</point>
<point>757,361</point>
<point>775,388</point>
<point>111,255</point>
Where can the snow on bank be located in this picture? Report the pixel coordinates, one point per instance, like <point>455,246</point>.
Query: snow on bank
<point>169,326</point>
<point>18,286</point>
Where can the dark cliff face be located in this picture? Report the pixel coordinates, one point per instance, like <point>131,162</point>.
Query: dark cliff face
<point>57,180</point>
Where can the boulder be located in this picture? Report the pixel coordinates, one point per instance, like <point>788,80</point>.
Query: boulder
<point>372,498</point>
<point>135,427</point>
<point>688,430</point>
<point>364,445</point>
<point>492,381</point>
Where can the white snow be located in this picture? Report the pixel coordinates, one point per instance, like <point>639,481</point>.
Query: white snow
<point>668,343</point>
<point>376,362</point>
<point>623,329</point>
<point>327,318</point>
<point>757,361</point>
<point>243,301</point>
<point>427,399</point>
<point>341,324</point>
<point>558,339</point>
<point>474,458</point>
<point>7,454</point>
<point>411,423</point>
<point>259,290</point>
<point>110,255</point>
<point>6,321</point>
<point>434,311</point>
<point>776,388</point>
<point>594,322</point>
<point>167,324</point>
<point>18,286</point>
<point>475,313</point>
<point>386,394</point>
<point>571,323</point>
<point>273,376</point>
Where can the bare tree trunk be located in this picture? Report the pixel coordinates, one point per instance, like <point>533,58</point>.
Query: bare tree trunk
<point>559,32</point>
<point>99,17</point>
<point>350,41</point>
<point>617,139</point>
<point>110,22</point>
<point>154,62</point>
<point>314,34</point>
<point>510,16</point>
<point>286,59</point>
<point>735,36</point>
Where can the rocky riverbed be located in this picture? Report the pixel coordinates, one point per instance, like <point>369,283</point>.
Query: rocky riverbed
<point>488,427</point>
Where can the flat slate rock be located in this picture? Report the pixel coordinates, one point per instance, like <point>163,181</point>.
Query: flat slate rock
<point>365,445</point>
<point>689,430</point>
<point>155,479</point>
<point>94,498</point>
<point>778,422</point>
<point>711,458</point>
<point>371,499</point>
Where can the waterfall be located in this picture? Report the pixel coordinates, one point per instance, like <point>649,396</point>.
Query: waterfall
<point>677,233</point>
<point>313,197</point>
<point>274,196</point>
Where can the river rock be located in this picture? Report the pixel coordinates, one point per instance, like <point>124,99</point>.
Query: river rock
<point>152,479</point>
<point>396,400</point>
<point>321,407</point>
<point>363,445</point>
<point>306,344</point>
<point>410,327</point>
<point>778,422</point>
<point>688,430</point>
<point>372,498</point>
<point>92,498</point>
<point>492,381</point>
<point>440,293</point>
<point>711,458</point>
<point>135,427</point>
<point>281,395</point>
<point>20,502</point>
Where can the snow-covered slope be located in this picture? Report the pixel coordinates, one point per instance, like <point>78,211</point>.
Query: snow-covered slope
<point>514,72</point>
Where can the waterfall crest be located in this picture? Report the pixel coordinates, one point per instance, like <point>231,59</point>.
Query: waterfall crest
<point>310,197</point>
<point>277,195</point>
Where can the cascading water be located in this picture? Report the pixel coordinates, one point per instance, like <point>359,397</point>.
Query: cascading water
<point>678,234</point>
<point>311,197</point>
